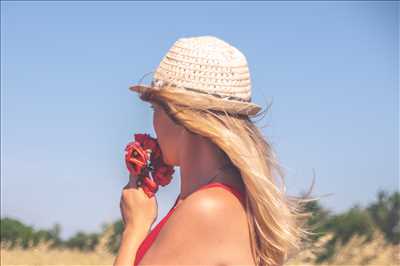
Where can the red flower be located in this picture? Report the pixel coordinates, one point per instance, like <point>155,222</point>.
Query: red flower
<point>150,184</point>
<point>156,152</point>
<point>157,162</point>
<point>135,158</point>
<point>163,175</point>
<point>137,162</point>
<point>146,141</point>
<point>141,137</point>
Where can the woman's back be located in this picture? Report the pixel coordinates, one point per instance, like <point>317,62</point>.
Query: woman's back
<point>230,244</point>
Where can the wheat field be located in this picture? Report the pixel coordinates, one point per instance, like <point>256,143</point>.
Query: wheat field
<point>355,252</point>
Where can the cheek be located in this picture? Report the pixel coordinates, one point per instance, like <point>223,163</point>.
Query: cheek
<point>156,124</point>
<point>160,129</point>
<point>166,136</point>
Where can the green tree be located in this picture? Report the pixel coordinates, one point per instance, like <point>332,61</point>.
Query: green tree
<point>14,233</point>
<point>355,221</point>
<point>386,214</point>
<point>83,241</point>
<point>54,234</point>
<point>114,240</point>
<point>41,236</point>
<point>319,217</point>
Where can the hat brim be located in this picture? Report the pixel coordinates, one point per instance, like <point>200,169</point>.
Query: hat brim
<point>246,108</point>
<point>140,88</point>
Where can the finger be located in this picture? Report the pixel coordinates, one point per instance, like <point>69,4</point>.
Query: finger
<point>133,181</point>
<point>131,184</point>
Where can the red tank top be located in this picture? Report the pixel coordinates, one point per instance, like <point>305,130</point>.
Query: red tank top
<point>146,243</point>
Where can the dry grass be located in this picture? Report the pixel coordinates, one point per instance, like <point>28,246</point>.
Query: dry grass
<point>355,252</point>
<point>43,255</point>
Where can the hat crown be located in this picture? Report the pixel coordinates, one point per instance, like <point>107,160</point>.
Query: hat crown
<point>206,64</point>
<point>212,48</point>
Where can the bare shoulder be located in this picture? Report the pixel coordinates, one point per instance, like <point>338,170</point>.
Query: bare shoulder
<point>209,211</point>
<point>210,221</point>
<point>213,207</point>
<point>209,200</point>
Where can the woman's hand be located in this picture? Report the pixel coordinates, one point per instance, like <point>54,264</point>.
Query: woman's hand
<point>138,211</point>
<point>138,214</point>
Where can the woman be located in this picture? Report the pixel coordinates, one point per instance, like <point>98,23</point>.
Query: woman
<point>230,209</point>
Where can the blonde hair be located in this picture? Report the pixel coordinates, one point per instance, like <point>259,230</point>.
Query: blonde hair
<point>276,221</point>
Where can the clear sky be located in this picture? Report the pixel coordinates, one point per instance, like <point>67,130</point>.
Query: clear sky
<point>330,68</point>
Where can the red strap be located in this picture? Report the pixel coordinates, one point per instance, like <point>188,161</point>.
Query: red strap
<point>146,243</point>
<point>236,192</point>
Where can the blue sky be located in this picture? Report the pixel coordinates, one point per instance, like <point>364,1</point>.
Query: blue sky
<point>329,68</point>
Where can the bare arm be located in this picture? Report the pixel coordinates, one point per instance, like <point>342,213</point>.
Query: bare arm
<point>130,242</point>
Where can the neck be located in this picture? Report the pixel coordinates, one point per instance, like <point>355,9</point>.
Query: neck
<point>200,160</point>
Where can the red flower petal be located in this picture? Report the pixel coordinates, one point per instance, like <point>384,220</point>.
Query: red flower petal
<point>147,191</point>
<point>153,186</point>
<point>162,179</point>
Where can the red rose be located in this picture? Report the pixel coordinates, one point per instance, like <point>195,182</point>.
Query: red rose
<point>141,137</point>
<point>163,174</point>
<point>151,184</point>
<point>157,162</point>
<point>137,162</point>
<point>147,191</point>
<point>150,143</point>
<point>135,158</point>
<point>156,152</point>
<point>162,180</point>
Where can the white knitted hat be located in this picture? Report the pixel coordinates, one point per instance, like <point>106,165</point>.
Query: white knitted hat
<point>207,67</point>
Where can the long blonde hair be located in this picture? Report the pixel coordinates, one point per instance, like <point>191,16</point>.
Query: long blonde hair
<point>276,221</point>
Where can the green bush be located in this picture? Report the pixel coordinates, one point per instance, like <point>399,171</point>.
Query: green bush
<point>115,239</point>
<point>14,233</point>
<point>83,242</point>
<point>386,214</point>
<point>319,218</point>
<point>355,221</point>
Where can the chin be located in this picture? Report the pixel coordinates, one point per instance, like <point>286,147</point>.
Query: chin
<point>166,160</point>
